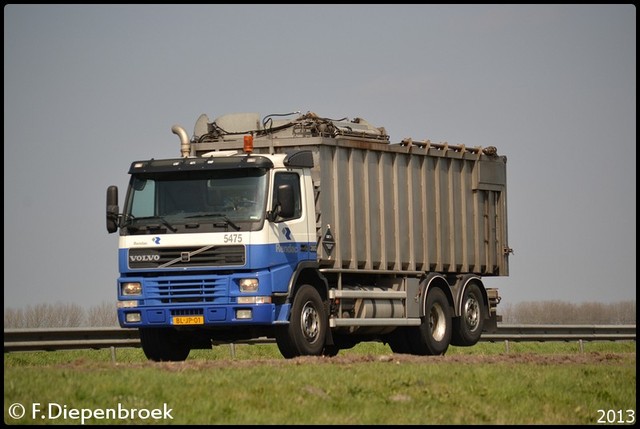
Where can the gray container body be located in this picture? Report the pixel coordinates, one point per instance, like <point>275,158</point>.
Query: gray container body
<point>401,208</point>
<point>424,210</point>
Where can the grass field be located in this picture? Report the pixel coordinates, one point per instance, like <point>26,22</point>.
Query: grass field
<point>535,383</point>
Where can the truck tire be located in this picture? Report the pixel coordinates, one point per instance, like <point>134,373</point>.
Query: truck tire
<point>433,336</point>
<point>163,344</point>
<point>467,329</point>
<point>286,347</point>
<point>307,328</point>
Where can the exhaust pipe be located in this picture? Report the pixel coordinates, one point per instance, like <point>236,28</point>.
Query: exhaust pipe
<point>185,147</point>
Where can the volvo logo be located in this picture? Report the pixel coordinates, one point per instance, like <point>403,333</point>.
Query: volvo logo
<point>144,258</point>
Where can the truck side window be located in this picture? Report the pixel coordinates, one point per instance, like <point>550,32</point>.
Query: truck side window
<point>294,180</point>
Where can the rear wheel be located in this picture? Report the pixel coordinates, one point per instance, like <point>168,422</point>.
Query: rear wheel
<point>308,324</point>
<point>433,336</point>
<point>163,344</point>
<point>467,328</point>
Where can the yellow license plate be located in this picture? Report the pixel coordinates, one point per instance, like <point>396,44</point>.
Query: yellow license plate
<point>188,320</point>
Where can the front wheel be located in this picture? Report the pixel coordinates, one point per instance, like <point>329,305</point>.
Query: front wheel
<point>163,344</point>
<point>308,324</point>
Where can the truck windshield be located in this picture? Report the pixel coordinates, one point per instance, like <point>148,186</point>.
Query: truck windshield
<point>206,200</point>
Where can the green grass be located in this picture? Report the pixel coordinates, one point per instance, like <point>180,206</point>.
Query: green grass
<point>270,351</point>
<point>477,385</point>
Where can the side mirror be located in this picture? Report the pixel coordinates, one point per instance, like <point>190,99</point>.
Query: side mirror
<point>112,209</point>
<point>283,206</point>
<point>285,201</point>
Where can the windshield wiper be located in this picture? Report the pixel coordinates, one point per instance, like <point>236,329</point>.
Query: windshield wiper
<point>160,218</point>
<point>219,215</point>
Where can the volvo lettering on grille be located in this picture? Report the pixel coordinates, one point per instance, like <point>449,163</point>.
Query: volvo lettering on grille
<point>181,257</point>
<point>144,258</point>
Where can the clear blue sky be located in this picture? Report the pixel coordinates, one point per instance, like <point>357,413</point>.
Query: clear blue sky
<point>88,89</point>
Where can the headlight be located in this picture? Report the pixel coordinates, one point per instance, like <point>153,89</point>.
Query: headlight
<point>248,285</point>
<point>134,288</point>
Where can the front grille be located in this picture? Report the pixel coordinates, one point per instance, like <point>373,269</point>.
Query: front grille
<point>179,257</point>
<point>188,290</point>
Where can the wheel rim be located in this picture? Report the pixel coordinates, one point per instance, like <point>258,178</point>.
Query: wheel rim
<point>472,313</point>
<point>437,322</point>
<point>309,322</point>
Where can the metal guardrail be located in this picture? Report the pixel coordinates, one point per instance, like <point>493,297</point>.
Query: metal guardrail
<point>542,333</point>
<point>49,339</point>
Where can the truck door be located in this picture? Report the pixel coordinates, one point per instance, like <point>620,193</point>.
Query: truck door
<point>290,236</point>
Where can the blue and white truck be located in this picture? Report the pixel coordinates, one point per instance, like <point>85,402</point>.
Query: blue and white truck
<point>317,233</point>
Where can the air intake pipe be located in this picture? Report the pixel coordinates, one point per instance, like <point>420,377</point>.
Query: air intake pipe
<point>185,147</point>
